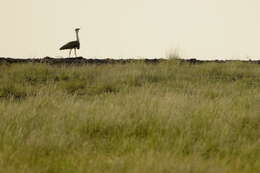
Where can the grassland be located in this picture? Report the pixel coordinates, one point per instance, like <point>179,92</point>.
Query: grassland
<point>136,117</point>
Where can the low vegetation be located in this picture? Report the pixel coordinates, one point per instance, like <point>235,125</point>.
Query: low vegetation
<point>136,117</point>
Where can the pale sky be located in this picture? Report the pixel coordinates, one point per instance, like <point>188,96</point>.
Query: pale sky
<point>202,29</point>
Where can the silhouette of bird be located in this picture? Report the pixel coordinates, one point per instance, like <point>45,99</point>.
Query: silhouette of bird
<point>73,44</point>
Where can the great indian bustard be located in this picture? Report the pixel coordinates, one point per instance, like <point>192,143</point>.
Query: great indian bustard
<point>73,44</point>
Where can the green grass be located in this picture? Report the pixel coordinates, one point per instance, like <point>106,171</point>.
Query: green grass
<point>168,117</point>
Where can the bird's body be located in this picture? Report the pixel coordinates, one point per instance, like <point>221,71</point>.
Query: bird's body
<point>73,44</point>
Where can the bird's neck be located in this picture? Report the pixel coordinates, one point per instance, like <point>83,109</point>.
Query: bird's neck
<point>77,36</point>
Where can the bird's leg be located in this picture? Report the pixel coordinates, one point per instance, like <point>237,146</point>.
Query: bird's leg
<point>75,51</point>
<point>70,52</point>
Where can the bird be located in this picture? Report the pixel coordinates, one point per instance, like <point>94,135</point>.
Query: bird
<point>73,44</point>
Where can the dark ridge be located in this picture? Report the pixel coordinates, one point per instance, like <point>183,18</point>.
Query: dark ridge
<point>76,60</point>
<point>81,60</point>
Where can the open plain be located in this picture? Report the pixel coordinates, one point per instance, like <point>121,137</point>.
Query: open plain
<point>136,116</point>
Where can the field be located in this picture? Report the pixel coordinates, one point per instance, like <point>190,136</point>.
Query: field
<point>133,117</point>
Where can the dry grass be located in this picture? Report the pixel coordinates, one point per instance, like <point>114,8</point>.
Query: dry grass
<point>168,117</point>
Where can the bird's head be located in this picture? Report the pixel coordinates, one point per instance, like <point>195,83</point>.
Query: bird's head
<point>77,29</point>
